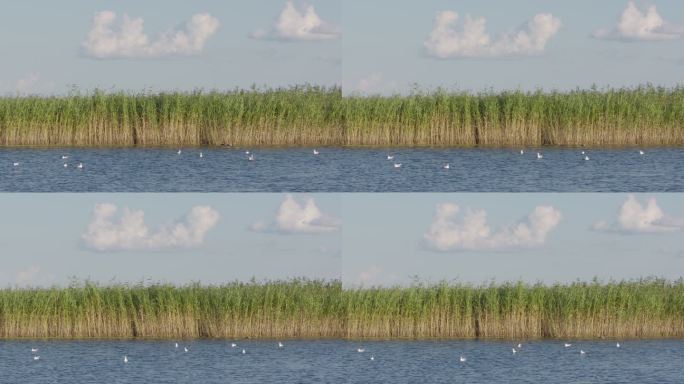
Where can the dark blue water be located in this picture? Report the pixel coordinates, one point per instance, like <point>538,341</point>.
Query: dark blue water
<point>338,362</point>
<point>341,170</point>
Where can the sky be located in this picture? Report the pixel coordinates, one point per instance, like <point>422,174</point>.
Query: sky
<point>363,239</point>
<point>211,238</point>
<point>48,47</point>
<point>525,44</point>
<point>367,47</point>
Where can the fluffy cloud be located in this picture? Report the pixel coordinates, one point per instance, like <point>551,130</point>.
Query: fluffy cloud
<point>129,232</point>
<point>128,40</point>
<point>445,41</point>
<point>473,233</point>
<point>641,25</point>
<point>293,217</point>
<point>637,218</point>
<point>295,25</point>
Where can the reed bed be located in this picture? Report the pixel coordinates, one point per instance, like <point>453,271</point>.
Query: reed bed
<point>302,308</point>
<point>318,116</point>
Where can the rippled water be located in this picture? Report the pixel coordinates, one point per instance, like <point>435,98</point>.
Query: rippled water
<point>339,362</point>
<point>341,170</point>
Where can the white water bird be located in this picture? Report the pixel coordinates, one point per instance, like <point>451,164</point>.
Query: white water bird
<point>176,345</point>
<point>179,151</point>
<point>34,350</point>
<point>372,357</point>
<point>586,158</point>
<point>583,152</point>
<point>185,349</point>
<point>246,152</point>
<point>233,345</point>
<point>446,166</point>
<point>125,359</point>
<point>80,166</point>
<point>201,155</point>
<point>66,165</point>
<point>519,345</point>
<point>514,351</point>
<point>251,157</point>
<point>397,165</point>
<point>539,156</point>
<point>243,351</point>
<point>462,359</point>
<point>64,157</point>
<point>390,157</point>
<point>641,152</point>
<point>280,345</point>
<point>522,152</point>
<point>360,350</point>
<point>15,163</point>
<point>316,152</point>
<point>567,345</point>
<point>617,345</point>
<point>36,357</point>
<point>582,352</point>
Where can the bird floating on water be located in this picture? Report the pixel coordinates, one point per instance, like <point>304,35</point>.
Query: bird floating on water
<point>582,352</point>
<point>522,152</point>
<point>251,157</point>
<point>390,157</point>
<point>179,151</point>
<point>641,152</point>
<point>315,152</point>
<point>15,163</point>
<point>617,345</point>
<point>462,359</point>
<point>64,157</point>
<point>185,349</point>
<point>372,357</point>
<point>34,350</point>
<point>233,345</point>
<point>66,165</point>
<point>125,359</point>
<point>519,345</point>
<point>586,158</point>
<point>243,351</point>
<point>360,350</point>
<point>176,345</point>
<point>36,357</point>
<point>446,166</point>
<point>514,351</point>
<point>567,345</point>
<point>539,156</point>
<point>583,152</point>
<point>201,154</point>
<point>280,345</point>
<point>80,166</point>
<point>397,165</point>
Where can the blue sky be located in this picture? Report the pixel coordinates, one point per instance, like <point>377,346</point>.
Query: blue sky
<point>379,46</point>
<point>370,239</point>
<point>41,49</point>
<point>384,51</point>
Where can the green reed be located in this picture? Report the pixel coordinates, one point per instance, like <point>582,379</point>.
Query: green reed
<point>310,115</point>
<point>301,308</point>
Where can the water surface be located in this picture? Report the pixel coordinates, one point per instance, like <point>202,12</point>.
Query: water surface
<point>338,362</point>
<point>341,170</point>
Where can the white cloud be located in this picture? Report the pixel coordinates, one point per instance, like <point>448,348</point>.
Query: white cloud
<point>637,218</point>
<point>129,231</point>
<point>293,217</point>
<point>295,25</point>
<point>128,40</point>
<point>472,41</point>
<point>641,25</point>
<point>473,233</point>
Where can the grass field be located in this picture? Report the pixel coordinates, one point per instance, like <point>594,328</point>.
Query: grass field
<point>322,309</point>
<point>320,116</point>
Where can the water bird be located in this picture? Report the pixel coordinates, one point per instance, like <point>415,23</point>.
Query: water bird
<point>246,152</point>
<point>586,158</point>
<point>360,350</point>
<point>519,345</point>
<point>64,157</point>
<point>179,151</point>
<point>567,345</point>
<point>233,345</point>
<point>514,351</point>
<point>522,152</point>
<point>582,352</point>
<point>641,152</point>
<point>617,345</point>
<point>390,157</point>
<point>372,357</point>
<point>539,156</point>
<point>125,359</point>
<point>201,155</point>
<point>397,165</point>
<point>34,350</point>
<point>15,163</point>
<point>583,152</point>
<point>250,157</point>
<point>243,351</point>
<point>80,166</point>
<point>66,165</point>
<point>176,345</point>
<point>185,349</point>
<point>280,345</point>
<point>446,166</point>
<point>462,359</point>
<point>36,357</point>
<point>315,152</point>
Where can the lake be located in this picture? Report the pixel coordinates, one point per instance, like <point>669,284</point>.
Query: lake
<point>341,170</point>
<point>335,361</point>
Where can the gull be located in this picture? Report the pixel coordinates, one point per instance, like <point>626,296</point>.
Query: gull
<point>280,345</point>
<point>251,157</point>
<point>179,151</point>
<point>66,165</point>
<point>514,351</point>
<point>583,152</point>
<point>519,345</point>
<point>233,345</point>
<point>243,351</point>
<point>567,345</point>
<point>246,152</point>
<point>522,152</point>
<point>201,155</point>
<point>80,166</point>
<point>582,352</point>
<point>34,350</point>
<point>125,359</point>
<point>15,163</point>
<point>446,166</point>
<point>64,157</point>
<point>397,165</point>
<point>176,345</point>
<point>586,158</point>
<point>641,152</point>
<point>390,157</point>
<point>185,349</point>
<point>36,357</point>
<point>462,359</point>
<point>617,345</point>
<point>360,350</point>
<point>315,152</point>
<point>372,357</point>
<point>539,156</point>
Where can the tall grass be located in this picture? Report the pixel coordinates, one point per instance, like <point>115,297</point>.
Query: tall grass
<point>317,309</point>
<point>310,115</point>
